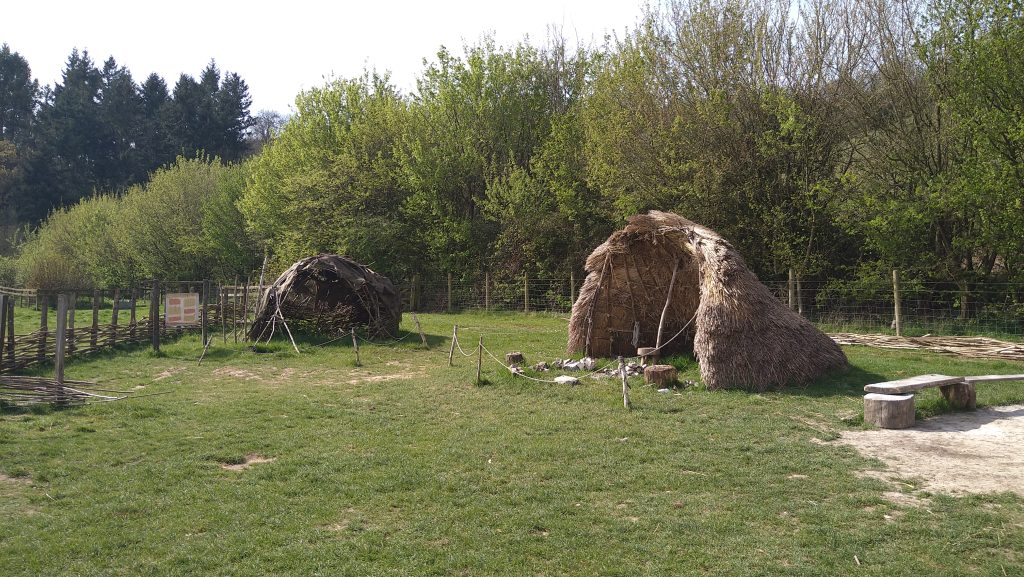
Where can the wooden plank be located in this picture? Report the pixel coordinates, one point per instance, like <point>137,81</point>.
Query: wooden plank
<point>912,384</point>
<point>993,378</point>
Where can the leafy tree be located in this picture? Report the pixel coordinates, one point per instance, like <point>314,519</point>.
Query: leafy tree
<point>331,182</point>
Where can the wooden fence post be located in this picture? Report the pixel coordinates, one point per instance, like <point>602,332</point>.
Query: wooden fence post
<point>3,327</point>
<point>10,331</point>
<point>114,310</point>
<point>487,292</point>
<point>72,300</point>
<point>222,312</point>
<point>245,310</point>
<point>205,311</point>
<point>799,297</point>
<point>61,342</point>
<point>792,290</point>
<point>572,289</point>
<point>94,335</point>
<point>43,325</point>
<point>526,293</point>
<point>449,292</point>
<point>133,318</point>
<point>154,314</point>
<point>897,320</point>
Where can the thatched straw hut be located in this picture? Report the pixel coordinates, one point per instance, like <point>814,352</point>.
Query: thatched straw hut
<point>332,293</point>
<point>742,336</point>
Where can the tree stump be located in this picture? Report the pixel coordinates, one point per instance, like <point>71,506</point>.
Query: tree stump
<point>960,395</point>
<point>662,376</point>
<point>889,411</point>
<point>514,358</point>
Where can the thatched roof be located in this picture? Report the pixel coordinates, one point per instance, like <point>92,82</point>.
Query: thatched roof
<point>742,336</point>
<point>332,293</point>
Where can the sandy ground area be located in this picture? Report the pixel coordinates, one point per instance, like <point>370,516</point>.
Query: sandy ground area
<point>970,452</point>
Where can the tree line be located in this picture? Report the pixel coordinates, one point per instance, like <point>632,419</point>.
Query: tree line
<point>838,138</point>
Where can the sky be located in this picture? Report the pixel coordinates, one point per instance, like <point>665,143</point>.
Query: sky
<point>282,48</point>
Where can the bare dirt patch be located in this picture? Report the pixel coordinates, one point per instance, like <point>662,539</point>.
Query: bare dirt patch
<point>237,373</point>
<point>970,452</point>
<point>14,480</point>
<point>250,460</point>
<point>168,373</point>
<point>383,378</point>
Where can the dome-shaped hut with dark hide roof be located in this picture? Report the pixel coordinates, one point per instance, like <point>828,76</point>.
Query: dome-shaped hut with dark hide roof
<point>742,336</point>
<point>332,294</point>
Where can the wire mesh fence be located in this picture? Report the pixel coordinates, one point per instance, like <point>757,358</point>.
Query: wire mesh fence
<point>856,306</point>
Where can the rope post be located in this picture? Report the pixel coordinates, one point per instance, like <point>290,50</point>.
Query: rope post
<point>423,337</point>
<point>625,386</point>
<point>355,345</point>
<point>455,338</point>
<point>479,358</point>
<point>897,321</point>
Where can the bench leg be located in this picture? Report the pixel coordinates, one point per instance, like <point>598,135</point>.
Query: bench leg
<point>960,395</point>
<point>889,411</point>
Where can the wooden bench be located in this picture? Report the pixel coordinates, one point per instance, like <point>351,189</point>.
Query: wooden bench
<point>890,405</point>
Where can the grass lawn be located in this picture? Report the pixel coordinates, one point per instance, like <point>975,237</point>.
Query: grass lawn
<point>403,466</point>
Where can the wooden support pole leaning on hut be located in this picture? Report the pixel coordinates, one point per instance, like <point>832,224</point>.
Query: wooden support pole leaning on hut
<point>897,322</point>
<point>455,337</point>
<point>154,315</point>
<point>44,318</point>
<point>664,310</point>
<point>61,342</point>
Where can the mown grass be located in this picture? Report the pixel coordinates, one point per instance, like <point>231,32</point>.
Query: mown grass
<point>403,466</point>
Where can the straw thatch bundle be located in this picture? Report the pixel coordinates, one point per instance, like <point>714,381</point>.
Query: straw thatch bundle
<point>332,294</point>
<point>742,336</point>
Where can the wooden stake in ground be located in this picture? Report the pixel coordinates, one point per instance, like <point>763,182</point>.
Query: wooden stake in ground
<point>455,337</point>
<point>625,385</point>
<point>423,337</point>
<point>479,357</point>
<point>44,301</point>
<point>94,334</point>
<point>355,347</point>
<point>897,320</point>
<point>154,315</point>
<point>3,328</point>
